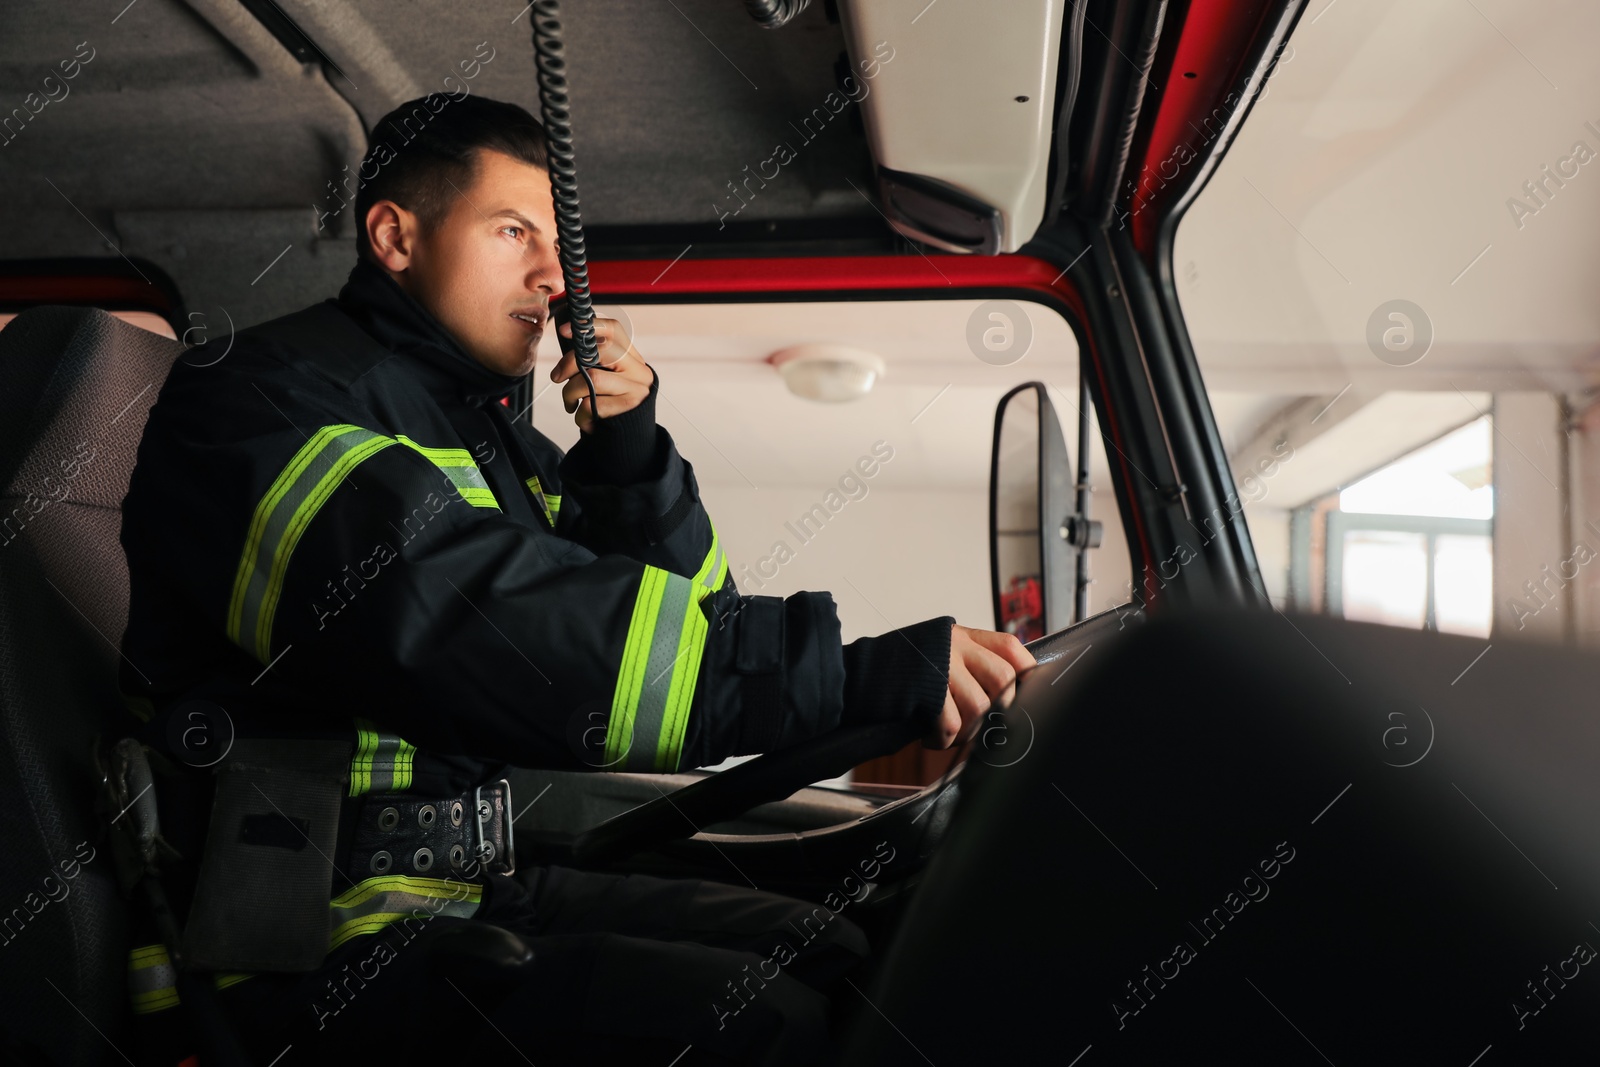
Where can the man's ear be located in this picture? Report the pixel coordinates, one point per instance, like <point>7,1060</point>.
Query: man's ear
<point>392,234</point>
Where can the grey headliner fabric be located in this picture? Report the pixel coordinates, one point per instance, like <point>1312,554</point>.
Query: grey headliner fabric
<point>670,101</point>
<point>67,375</point>
<point>186,105</point>
<point>195,141</point>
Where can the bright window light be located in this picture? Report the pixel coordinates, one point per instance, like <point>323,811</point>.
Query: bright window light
<point>1447,479</point>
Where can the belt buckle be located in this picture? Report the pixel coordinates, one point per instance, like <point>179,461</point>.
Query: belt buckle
<point>484,810</point>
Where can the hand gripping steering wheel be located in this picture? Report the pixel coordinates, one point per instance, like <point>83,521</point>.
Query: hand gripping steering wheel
<point>769,777</point>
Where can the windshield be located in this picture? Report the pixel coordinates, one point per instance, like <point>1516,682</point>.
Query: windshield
<point>1389,284</point>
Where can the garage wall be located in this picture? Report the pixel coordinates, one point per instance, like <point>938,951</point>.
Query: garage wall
<point>1584,441</point>
<point>1531,538</point>
<point>1269,533</point>
<point>891,558</point>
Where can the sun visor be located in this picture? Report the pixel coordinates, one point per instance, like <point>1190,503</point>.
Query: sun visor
<point>959,109</point>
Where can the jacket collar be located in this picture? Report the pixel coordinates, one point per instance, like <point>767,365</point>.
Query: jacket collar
<point>407,328</point>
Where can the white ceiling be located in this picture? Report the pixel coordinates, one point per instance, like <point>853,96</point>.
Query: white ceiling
<point>730,414</point>
<point>1379,167</point>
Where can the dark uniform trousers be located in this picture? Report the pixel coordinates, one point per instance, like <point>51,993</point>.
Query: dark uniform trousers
<point>628,969</point>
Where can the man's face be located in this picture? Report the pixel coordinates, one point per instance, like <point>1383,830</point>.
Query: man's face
<point>490,259</point>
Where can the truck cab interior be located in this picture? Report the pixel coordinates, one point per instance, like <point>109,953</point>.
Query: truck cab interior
<point>1158,326</point>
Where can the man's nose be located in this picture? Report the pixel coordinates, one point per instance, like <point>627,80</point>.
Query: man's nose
<point>546,275</point>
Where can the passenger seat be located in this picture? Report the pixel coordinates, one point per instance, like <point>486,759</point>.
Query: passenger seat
<point>76,385</point>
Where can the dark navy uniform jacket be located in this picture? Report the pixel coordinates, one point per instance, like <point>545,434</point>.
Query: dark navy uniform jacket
<point>338,527</point>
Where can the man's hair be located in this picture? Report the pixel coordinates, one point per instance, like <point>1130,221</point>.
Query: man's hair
<point>421,155</point>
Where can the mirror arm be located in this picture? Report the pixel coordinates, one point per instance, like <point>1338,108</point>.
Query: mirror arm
<point>1079,530</point>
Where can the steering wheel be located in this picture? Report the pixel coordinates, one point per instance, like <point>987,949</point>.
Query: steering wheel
<point>732,792</point>
<point>769,777</point>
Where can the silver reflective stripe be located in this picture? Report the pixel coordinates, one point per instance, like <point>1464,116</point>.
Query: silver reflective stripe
<point>467,477</point>
<point>152,980</point>
<point>711,578</point>
<point>665,651</point>
<point>383,763</point>
<point>713,569</point>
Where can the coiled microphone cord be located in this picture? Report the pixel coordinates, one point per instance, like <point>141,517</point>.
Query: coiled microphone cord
<point>773,14</point>
<point>549,57</point>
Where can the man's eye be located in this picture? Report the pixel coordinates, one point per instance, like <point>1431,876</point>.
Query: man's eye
<point>515,231</point>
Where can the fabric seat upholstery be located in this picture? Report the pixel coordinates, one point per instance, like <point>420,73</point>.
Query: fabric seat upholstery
<point>76,385</point>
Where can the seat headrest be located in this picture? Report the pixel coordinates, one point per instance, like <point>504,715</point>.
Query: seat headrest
<point>76,386</point>
<point>75,382</point>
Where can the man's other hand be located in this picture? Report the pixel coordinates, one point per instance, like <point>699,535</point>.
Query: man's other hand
<point>983,667</point>
<point>621,382</point>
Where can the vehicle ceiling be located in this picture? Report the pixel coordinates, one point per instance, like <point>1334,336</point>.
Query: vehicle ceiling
<point>196,139</point>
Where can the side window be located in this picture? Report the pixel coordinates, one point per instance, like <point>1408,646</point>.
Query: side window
<point>881,499</point>
<point>1395,324</point>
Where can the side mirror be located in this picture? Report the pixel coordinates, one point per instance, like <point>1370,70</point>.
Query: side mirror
<point>1039,530</point>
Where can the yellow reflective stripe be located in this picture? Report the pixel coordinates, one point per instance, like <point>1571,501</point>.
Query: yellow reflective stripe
<point>361,762</point>
<point>368,907</point>
<point>457,465</point>
<point>440,457</point>
<point>404,764</point>
<point>258,523</point>
<point>656,679</point>
<point>294,499</point>
<point>479,496</point>
<point>549,503</point>
<point>713,569</point>
<point>153,981</point>
<point>382,763</point>
<point>147,956</point>
<point>148,1003</point>
<point>538,498</point>
<point>375,903</point>
<point>635,656</point>
<point>310,477</point>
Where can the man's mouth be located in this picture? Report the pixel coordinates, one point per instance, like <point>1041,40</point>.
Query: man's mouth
<point>533,317</point>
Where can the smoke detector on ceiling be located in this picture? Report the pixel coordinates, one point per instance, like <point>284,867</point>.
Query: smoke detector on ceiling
<point>832,374</point>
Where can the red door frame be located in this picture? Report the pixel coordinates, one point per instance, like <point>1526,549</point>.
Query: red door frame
<point>881,277</point>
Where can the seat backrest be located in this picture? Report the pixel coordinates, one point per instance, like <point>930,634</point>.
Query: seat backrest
<point>76,385</point>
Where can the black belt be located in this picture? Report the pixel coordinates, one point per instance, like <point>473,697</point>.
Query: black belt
<point>462,837</point>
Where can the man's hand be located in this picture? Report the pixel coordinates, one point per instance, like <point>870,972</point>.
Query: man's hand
<point>621,382</point>
<point>983,667</point>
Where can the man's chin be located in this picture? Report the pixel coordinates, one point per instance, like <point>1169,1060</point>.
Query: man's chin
<point>515,363</point>
<point>526,364</point>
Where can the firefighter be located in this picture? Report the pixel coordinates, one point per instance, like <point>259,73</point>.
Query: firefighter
<point>340,539</point>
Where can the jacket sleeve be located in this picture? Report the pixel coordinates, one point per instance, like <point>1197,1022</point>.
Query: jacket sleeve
<point>359,579</point>
<point>626,489</point>
<point>629,491</point>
